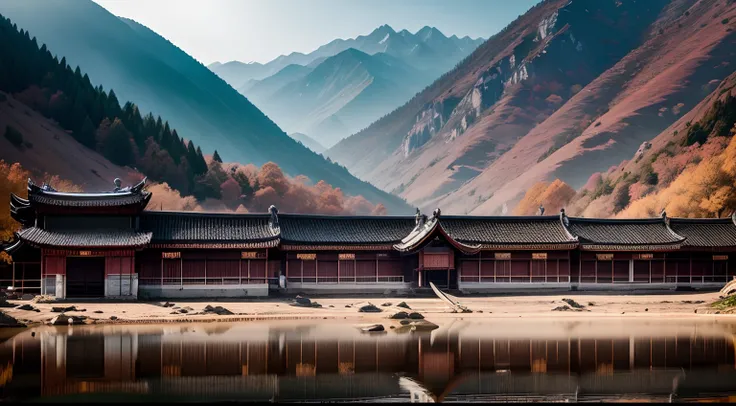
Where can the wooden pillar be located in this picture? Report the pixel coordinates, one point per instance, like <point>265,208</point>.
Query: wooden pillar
<point>480,265</point>
<point>494,270</point>
<point>338,282</point>
<point>240,270</point>
<point>631,270</point>
<point>162,270</point>
<point>376,268</point>
<point>205,270</point>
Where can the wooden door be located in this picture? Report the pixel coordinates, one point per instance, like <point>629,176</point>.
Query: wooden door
<point>85,277</point>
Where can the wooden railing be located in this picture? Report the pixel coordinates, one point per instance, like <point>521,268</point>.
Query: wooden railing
<point>214,281</point>
<point>514,279</point>
<point>333,280</point>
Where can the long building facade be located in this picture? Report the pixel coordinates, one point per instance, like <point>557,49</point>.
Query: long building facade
<point>108,245</point>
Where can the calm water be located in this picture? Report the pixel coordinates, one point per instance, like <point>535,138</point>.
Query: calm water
<point>505,360</point>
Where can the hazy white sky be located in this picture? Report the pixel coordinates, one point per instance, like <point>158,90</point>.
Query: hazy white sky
<point>260,30</point>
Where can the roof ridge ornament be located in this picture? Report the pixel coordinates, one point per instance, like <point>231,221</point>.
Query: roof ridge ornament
<point>563,217</point>
<point>541,210</point>
<point>138,187</point>
<point>274,221</point>
<point>436,213</point>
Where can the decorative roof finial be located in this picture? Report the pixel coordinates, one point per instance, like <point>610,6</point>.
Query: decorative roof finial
<point>417,217</point>
<point>118,184</point>
<point>564,218</point>
<point>663,214</point>
<point>541,210</point>
<point>436,213</point>
<point>274,216</point>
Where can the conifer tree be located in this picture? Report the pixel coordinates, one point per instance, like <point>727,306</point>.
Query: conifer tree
<point>86,135</point>
<point>216,157</point>
<point>117,146</point>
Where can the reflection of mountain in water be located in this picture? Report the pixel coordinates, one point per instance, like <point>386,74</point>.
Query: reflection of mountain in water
<point>302,364</point>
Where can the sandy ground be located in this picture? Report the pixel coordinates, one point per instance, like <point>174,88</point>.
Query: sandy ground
<point>669,305</point>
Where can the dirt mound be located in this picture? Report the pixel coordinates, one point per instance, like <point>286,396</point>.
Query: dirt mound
<point>369,308</point>
<point>9,321</point>
<point>573,303</point>
<point>219,310</point>
<point>301,301</point>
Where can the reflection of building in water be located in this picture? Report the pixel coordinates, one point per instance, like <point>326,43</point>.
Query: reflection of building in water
<point>164,362</point>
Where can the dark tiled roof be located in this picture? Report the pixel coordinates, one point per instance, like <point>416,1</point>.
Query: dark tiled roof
<point>208,227</point>
<point>623,232</point>
<point>10,246</point>
<point>310,229</point>
<point>507,230</point>
<point>89,199</point>
<point>85,238</point>
<point>129,196</point>
<point>420,235</point>
<point>706,232</point>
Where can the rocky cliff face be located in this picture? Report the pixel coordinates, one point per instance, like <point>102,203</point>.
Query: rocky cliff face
<point>539,100</point>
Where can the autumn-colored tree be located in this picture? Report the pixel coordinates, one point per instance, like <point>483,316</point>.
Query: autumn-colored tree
<point>705,189</point>
<point>271,175</point>
<point>529,204</point>
<point>379,210</point>
<point>231,193</point>
<point>264,198</point>
<point>552,196</point>
<point>557,195</point>
<point>13,179</point>
<point>166,198</point>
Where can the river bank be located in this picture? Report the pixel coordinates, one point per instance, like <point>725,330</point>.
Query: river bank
<point>669,304</point>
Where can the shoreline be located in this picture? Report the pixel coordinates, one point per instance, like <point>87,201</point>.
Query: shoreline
<point>672,305</point>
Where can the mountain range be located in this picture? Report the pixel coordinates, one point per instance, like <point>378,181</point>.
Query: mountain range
<point>345,85</point>
<point>423,48</point>
<point>145,68</point>
<point>567,90</point>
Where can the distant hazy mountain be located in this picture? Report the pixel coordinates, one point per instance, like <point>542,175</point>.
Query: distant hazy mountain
<point>320,102</point>
<point>329,94</point>
<point>308,142</point>
<point>259,89</point>
<point>238,73</point>
<point>148,70</point>
<point>424,50</point>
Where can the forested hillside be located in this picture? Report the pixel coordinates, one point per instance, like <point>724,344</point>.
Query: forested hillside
<point>158,77</point>
<point>94,118</point>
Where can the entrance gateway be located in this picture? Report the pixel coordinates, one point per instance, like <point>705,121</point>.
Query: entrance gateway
<point>85,277</point>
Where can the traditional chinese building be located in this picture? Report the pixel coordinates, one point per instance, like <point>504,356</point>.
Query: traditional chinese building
<point>108,245</point>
